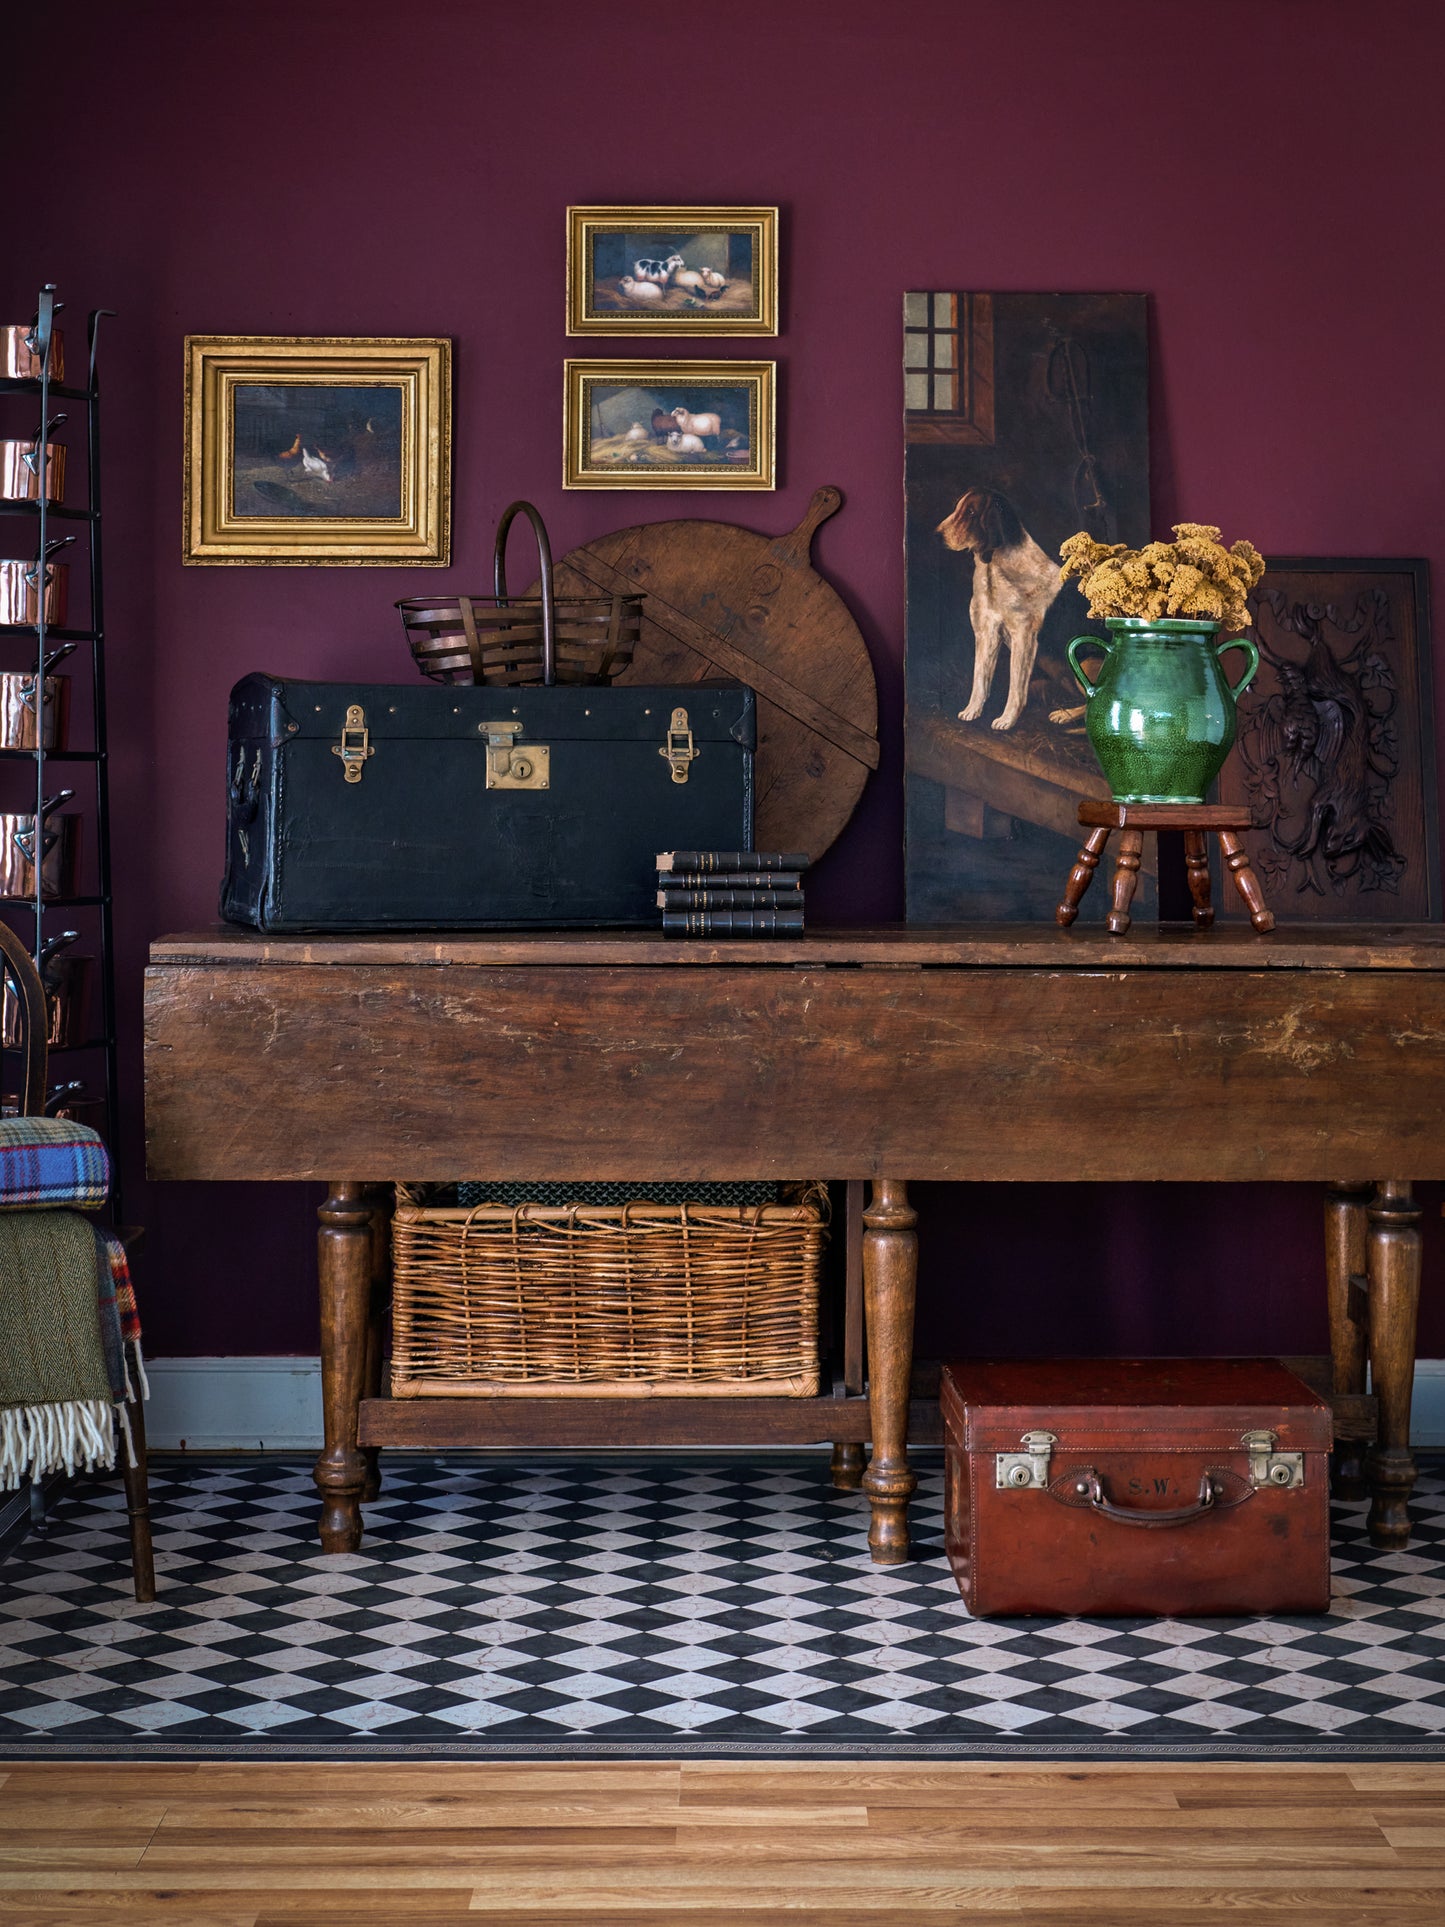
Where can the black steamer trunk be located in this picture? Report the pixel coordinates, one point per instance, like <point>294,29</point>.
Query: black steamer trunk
<point>382,806</point>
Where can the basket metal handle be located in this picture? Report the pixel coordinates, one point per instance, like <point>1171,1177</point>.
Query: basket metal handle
<point>499,581</point>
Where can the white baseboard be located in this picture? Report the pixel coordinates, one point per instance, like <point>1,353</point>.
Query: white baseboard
<point>234,1404</point>
<point>274,1404</point>
<point>1427,1412</point>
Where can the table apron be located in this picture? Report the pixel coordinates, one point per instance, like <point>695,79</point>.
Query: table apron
<point>373,1072</point>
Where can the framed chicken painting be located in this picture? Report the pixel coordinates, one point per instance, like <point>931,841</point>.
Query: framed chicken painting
<point>1335,756</point>
<point>307,449</point>
<point>1026,419</point>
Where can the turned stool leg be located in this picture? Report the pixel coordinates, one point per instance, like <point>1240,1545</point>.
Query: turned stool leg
<point>847,1467</point>
<point>1346,1239</point>
<point>1196,865</point>
<point>1393,1265</point>
<point>1236,859</point>
<point>1126,878</point>
<point>1081,876</point>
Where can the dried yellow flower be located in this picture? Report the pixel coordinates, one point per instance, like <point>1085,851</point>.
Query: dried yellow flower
<point>1191,576</point>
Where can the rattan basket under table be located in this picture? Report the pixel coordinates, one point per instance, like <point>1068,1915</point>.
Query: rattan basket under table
<point>606,1301</point>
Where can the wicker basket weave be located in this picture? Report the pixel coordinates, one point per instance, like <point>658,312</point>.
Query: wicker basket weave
<point>634,1300</point>
<point>517,641</point>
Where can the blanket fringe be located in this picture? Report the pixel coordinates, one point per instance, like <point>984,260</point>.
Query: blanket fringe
<point>140,1367</point>
<point>39,1439</point>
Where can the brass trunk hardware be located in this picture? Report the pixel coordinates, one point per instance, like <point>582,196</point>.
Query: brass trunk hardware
<point>355,744</point>
<point>511,766</point>
<point>1268,1467</point>
<point>678,749</point>
<point>1018,1471</point>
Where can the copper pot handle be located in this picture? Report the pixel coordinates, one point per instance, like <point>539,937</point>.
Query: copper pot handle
<point>499,581</point>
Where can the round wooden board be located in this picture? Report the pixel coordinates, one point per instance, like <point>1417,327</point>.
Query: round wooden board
<point>729,603</point>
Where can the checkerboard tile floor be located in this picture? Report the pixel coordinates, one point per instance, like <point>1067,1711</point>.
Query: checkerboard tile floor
<point>689,1607</point>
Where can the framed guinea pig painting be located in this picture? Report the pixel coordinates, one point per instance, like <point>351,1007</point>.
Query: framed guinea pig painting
<point>672,270</point>
<point>669,424</point>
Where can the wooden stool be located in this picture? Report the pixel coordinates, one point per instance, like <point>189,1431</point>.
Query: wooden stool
<point>1196,820</point>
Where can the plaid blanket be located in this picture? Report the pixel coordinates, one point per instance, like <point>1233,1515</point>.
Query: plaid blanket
<point>50,1161</point>
<point>68,1331</point>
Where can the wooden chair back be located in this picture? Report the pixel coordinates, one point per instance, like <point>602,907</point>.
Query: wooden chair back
<point>28,996</point>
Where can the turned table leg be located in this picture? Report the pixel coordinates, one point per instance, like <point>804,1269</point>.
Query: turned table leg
<point>847,1467</point>
<point>1346,1238</point>
<point>890,1276</point>
<point>1081,876</point>
<point>1196,867</point>
<point>345,1257</point>
<point>1393,1267</point>
<point>1126,878</point>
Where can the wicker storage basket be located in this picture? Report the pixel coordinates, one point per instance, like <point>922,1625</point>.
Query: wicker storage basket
<point>516,640</point>
<point>634,1300</point>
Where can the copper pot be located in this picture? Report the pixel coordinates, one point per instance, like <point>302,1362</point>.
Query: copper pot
<point>59,851</point>
<point>20,360</point>
<point>19,588</point>
<point>20,468</point>
<point>17,706</point>
<point>67,986</point>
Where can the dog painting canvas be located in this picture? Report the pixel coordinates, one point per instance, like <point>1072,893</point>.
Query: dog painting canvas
<point>1025,420</point>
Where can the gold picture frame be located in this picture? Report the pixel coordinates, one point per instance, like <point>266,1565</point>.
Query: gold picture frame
<point>615,424</point>
<point>724,281</point>
<point>315,449</point>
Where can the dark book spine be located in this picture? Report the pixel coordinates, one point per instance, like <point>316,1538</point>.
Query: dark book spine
<point>714,861</point>
<point>785,883</point>
<point>730,923</point>
<point>673,898</point>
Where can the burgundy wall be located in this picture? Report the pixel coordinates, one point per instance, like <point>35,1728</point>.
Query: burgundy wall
<point>1270,174</point>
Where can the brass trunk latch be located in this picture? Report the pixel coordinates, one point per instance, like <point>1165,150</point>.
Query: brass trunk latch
<point>355,744</point>
<point>678,750</point>
<point>1268,1467</point>
<point>511,766</point>
<point>1018,1471</point>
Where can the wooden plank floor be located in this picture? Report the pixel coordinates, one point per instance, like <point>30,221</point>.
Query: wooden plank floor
<point>768,1845</point>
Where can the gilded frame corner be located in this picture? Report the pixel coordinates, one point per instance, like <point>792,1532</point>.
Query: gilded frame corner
<point>759,378</point>
<point>585,223</point>
<point>420,534</point>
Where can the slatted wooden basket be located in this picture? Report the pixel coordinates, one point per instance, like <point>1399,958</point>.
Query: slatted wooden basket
<point>633,1300</point>
<point>507,640</point>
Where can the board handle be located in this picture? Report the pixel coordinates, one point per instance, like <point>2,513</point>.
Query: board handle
<point>797,542</point>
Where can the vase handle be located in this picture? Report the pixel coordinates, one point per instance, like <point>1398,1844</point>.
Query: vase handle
<point>1099,647</point>
<point>1251,649</point>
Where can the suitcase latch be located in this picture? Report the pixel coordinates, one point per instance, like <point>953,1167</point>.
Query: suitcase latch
<point>678,750</point>
<point>1268,1467</point>
<point>355,744</point>
<point>1017,1471</point>
<point>511,766</point>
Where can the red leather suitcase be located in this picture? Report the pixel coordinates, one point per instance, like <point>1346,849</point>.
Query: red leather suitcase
<point>1142,1487</point>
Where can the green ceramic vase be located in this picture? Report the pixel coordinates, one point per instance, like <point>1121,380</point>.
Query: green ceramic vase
<point>1159,710</point>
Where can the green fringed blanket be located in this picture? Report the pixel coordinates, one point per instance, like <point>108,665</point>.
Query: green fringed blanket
<point>66,1314</point>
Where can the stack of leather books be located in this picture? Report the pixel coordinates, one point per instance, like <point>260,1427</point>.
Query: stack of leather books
<point>731,893</point>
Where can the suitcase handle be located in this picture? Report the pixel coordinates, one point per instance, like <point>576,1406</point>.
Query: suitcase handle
<point>1218,1490</point>
<point>499,581</point>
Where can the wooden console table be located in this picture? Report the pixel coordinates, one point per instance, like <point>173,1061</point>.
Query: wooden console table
<point>988,1053</point>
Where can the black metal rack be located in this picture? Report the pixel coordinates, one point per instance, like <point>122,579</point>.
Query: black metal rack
<point>68,1090</point>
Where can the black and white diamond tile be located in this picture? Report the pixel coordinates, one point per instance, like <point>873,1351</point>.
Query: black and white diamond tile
<point>676,1608</point>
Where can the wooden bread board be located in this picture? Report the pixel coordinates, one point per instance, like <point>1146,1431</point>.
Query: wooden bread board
<point>731,603</point>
